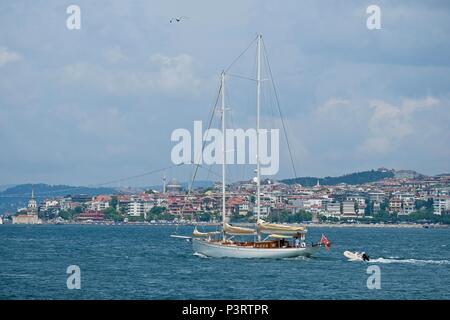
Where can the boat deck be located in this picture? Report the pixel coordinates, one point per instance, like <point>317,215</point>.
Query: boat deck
<point>258,244</point>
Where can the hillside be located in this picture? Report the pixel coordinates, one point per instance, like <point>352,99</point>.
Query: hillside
<point>352,178</point>
<point>199,184</point>
<point>18,196</point>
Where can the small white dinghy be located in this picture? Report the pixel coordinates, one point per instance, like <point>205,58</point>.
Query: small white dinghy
<point>356,256</point>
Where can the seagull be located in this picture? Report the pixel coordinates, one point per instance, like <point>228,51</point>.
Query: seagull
<point>178,19</point>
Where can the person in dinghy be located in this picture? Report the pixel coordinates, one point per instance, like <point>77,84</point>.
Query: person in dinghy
<point>355,256</point>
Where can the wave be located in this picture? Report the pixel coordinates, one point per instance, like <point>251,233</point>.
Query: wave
<point>304,258</point>
<point>410,261</point>
<point>200,255</point>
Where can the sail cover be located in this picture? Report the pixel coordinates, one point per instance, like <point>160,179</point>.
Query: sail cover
<point>229,229</point>
<point>197,233</point>
<point>269,228</point>
<point>280,236</point>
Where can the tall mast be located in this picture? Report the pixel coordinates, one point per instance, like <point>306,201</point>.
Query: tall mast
<point>258,93</point>
<point>222,76</point>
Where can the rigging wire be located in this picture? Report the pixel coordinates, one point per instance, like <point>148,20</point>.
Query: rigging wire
<point>204,141</point>
<point>240,76</point>
<point>242,53</point>
<point>230,172</point>
<point>209,170</point>
<point>197,165</point>
<point>94,185</point>
<point>279,109</point>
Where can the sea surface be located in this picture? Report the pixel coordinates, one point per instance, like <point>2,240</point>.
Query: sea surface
<point>144,262</point>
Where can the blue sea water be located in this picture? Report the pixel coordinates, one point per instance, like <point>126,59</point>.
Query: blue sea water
<point>143,262</point>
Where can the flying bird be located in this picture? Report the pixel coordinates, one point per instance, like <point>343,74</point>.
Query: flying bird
<point>178,19</point>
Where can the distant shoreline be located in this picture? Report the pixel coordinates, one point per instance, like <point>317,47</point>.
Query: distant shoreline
<point>377,225</point>
<point>211,224</point>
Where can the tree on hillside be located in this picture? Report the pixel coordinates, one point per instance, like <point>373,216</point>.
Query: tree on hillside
<point>112,214</point>
<point>114,202</point>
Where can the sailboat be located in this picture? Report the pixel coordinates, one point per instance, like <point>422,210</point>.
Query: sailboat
<point>281,241</point>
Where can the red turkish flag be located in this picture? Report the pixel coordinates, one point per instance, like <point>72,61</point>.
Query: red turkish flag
<point>324,240</point>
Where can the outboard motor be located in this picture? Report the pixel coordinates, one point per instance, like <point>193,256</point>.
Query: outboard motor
<point>365,257</point>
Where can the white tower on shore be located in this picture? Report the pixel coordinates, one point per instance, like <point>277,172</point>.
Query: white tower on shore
<point>32,203</point>
<point>164,184</point>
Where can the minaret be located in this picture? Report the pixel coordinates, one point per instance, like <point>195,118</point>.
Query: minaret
<point>32,204</point>
<point>164,184</point>
<point>318,183</point>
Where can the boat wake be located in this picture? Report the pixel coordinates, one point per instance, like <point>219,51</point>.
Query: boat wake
<point>410,261</point>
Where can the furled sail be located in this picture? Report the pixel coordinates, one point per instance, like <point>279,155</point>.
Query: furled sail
<point>197,233</point>
<point>280,236</point>
<point>229,229</point>
<point>269,228</point>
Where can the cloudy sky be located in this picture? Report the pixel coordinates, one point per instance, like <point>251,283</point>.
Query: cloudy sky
<point>92,105</point>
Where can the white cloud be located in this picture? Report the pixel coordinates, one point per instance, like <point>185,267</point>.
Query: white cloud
<point>343,135</point>
<point>110,66</point>
<point>175,72</point>
<point>333,104</point>
<point>165,75</point>
<point>115,54</point>
<point>8,56</point>
<point>390,124</point>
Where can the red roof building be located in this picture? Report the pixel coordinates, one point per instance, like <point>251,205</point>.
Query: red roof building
<point>91,215</point>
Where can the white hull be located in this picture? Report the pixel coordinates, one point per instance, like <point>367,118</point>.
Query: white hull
<point>218,250</point>
<point>354,256</point>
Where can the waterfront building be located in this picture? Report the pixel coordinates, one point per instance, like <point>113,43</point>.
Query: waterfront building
<point>29,215</point>
<point>49,204</point>
<point>238,206</point>
<point>361,209</point>
<point>90,215</point>
<point>376,207</point>
<point>66,203</point>
<point>359,199</point>
<point>264,210</point>
<point>315,217</point>
<point>395,205</point>
<point>441,204</point>
<point>148,205</point>
<point>136,208</point>
<point>100,203</point>
<point>348,209</point>
<point>333,209</point>
<point>408,207</point>
<point>377,196</point>
<point>313,203</point>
